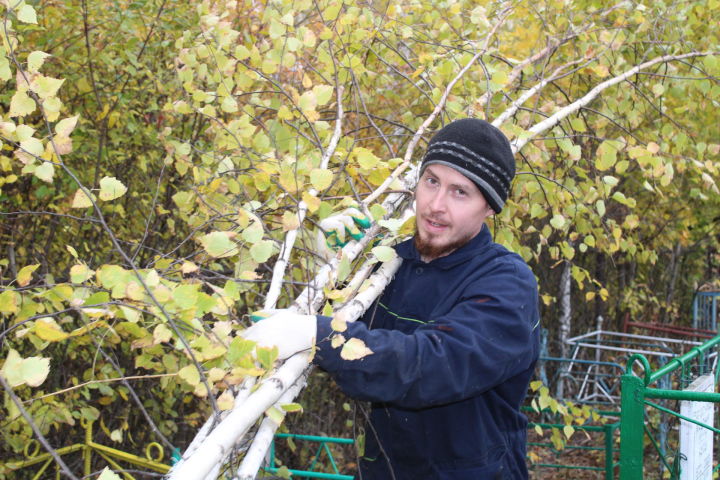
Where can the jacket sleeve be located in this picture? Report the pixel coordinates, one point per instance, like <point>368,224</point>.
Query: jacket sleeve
<point>487,338</point>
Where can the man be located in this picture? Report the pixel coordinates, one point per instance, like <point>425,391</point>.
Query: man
<point>454,336</point>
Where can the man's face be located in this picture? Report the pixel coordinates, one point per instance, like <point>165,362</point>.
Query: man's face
<point>449,211</point>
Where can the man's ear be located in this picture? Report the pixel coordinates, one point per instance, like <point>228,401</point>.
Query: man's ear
<point>491,212</point>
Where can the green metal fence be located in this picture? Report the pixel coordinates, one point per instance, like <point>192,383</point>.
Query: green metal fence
<point>323,448</point>
<point>608,449</point>
<point>636,401</point>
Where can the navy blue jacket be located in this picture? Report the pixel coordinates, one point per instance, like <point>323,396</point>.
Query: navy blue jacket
<point>455,343</point>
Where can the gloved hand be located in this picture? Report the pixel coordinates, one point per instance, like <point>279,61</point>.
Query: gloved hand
<point>334,230</point>
<point>290,332</point>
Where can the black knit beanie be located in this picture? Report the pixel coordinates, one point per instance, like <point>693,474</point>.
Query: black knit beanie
<point>479,151</point>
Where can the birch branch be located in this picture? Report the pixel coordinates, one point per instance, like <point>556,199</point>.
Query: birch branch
<point>553,120</point>
<point>282,262</point>
<point>350,313</point>
<point>218,444</point>
<point>264,436</point>
<point>438,108</point>
<point>512,109</point>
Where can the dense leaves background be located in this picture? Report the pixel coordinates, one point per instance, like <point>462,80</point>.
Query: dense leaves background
<point>200,129</point>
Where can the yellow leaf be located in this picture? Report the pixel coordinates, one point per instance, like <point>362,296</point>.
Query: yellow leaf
<point>162,334</point>
<point>226,401</point>
<point>48,329</point>
<point>337,340</point>
<point>384,253</point>
<point>65,126</point>
<point>21,104</point>
<point>25,274</point>
<point>321,178</point>
<point>8,302</point>
<point>338,324</point>
<point>45,172</point>
<point>355,349</point>
<point>190,374</point>
<point>35,60</point>
<point>26,14</point>
<point>46,87</point>
<point>80,200</point>
<point>290,221</point>
<point>111,188</point>
<point>215,374</point>
<point>312,201</point>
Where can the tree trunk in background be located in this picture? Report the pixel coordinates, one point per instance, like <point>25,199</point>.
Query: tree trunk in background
<point>565,316</point>
<point>674,269</point>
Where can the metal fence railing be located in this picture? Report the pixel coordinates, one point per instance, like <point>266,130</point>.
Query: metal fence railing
<point>640,401</point>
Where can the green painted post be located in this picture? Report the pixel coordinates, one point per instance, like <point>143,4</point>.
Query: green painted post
<point>631,427</point>
<point>609,445</point>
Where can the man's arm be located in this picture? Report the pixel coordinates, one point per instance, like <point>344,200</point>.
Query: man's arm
<point>484,340</point>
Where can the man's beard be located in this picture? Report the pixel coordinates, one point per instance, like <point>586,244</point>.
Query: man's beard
<point>429,251</point>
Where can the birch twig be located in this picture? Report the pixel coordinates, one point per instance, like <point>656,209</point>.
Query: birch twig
<point>554,119</point>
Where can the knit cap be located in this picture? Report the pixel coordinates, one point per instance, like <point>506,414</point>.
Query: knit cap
<point>479,151</point>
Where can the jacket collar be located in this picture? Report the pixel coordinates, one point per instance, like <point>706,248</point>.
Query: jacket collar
<point>479,242</point>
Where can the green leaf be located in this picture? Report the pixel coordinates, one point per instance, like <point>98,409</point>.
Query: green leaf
<point>610,180</point>
<point>536,210</point>
<point>219,244</point>
<point>111,188</point>
<point>266,356</point>
<point>185,296</point>
<point>292,407</point>
<point>384,254</point>
<point>275,414</point>
<point>558,221</point>
<point>229,105</point>
<point>253,232</point>
<point>45,172</point>
<point>262,250</point>
<point>35,60</point>
<point>321,178</point>
<point>239,347</point>
<point>606,155</point>
<point>323,93</point>
<point>12,368</point>
<point>26,14</point>
<point>343,269</point>
<point>366,159</point>
<point>21,104</point>
<point>25,274</point>
<point>5,72</point>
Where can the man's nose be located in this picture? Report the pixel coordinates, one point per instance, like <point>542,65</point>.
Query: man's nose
<point>438,202</point>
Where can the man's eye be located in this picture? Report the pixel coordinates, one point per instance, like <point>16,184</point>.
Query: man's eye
<point>461,192</point>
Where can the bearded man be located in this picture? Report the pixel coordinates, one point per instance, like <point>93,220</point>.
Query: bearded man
<point>454,336</point>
